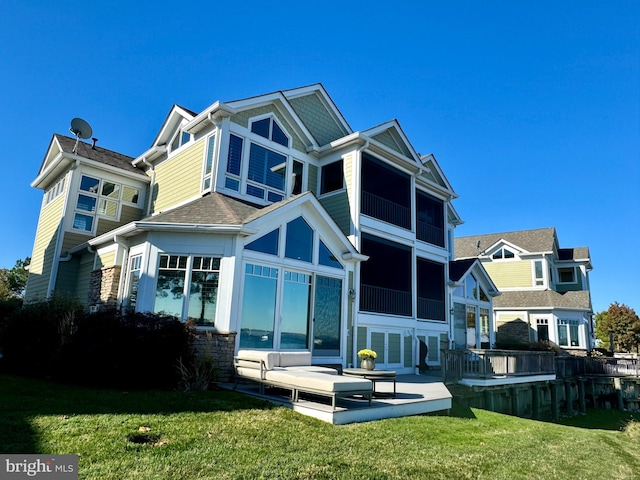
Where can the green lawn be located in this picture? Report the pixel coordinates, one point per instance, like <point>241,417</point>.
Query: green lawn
<point>224,435</point>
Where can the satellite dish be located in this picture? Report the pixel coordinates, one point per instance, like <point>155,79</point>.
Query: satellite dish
<point>80,129</point>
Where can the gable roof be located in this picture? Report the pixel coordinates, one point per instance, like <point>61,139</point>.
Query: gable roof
<point>543,299</point>
<point>458,269</point>
<point>533,241</point>
<point>391,135</point>
<point>219,213</point>
<point>60,155</point>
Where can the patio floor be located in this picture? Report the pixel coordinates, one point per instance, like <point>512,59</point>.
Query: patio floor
<point>415,395</point>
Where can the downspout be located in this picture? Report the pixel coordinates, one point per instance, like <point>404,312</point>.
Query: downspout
<point>357,241</point>
<point>151,185</point>
<point>53,277</point>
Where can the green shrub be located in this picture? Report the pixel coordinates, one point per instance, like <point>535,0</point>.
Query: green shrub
<point>127,350</point>
<point>32,336</point>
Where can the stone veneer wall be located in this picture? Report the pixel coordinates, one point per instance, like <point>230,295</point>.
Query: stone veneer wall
<point>219,346</point>
<point>103,289</point>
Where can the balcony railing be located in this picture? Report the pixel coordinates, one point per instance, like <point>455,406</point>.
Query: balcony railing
<point>386,210</point>
<point>430,234</point>
<point>385,300</point>
<point>495,364</point>
<point>429,309</point>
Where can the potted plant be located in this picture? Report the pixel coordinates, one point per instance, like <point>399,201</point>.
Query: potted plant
<point>367,359</point>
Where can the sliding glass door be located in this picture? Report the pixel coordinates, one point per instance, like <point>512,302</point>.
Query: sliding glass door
<point>284,309</point>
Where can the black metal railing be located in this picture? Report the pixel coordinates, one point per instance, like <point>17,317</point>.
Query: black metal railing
<point>385,300</point>
<point>429,309</point>
<point>386,210</point>
<point>430,234</point>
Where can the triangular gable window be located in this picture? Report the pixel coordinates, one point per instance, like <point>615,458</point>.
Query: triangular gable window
<point>327,258</point>
<point>483,296</point>
<point>299,244</point>
<point>503,253</point>
<point>269,128</point>
<point>266,244</point>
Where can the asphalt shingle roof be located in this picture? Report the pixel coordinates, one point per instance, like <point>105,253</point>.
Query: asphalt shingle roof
<point>211,209</point>
<point>543,298</point>
<point>458,268</point>
<point>538,240</point>
<point>98,154</point>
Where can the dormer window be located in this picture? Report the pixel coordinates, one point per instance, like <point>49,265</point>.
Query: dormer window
<point>503,254</point>
<point>269,129</point>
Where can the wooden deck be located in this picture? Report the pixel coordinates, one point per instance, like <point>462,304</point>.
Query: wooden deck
<point>415,395</point>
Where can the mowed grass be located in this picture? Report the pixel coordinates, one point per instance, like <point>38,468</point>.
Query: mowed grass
<point>225,435</point>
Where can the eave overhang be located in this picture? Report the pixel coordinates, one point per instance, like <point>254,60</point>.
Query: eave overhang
<point>64,160</point>
<point>135,228</point>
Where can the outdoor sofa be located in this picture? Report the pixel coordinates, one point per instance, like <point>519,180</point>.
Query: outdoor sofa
<point>293,371</point>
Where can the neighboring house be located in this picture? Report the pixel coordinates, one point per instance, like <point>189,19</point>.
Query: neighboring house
<point>268,220</point>
<point>544,288</point>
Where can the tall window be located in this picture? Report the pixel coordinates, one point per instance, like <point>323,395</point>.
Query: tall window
<point>187,287</point>
<point>258,306</point>
<point>431,294</point>
<point>234,163</point>
<point>267,173</point>
<point>485,339</point>
<point>208,163</point>
<point>385,279</point>
<point>386,193</point>
<point>299,245</point>
<point>135,264</point>
<point>430,219</point>
<point>538,272</point>
<point>542,324</point>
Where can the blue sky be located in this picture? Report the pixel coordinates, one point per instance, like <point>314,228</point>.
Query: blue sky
<point>531,108</point>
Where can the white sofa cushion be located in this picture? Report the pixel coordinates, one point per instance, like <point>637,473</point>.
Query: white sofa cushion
<point>318,382</point>
<point>270,358</point>
<point>294,359</point>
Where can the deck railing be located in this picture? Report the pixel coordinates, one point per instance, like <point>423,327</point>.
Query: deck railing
<point>386,210</point>
<point>385,300</point>
<point>574,366</point>
<point>492,364</point>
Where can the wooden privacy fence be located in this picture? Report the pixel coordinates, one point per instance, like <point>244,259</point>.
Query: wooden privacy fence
<point>487,364</point>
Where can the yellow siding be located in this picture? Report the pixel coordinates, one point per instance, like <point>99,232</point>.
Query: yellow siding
<point>44,248</point>
<point>106,259</point>
<point>515,274</point>
<point>178,179</point>
<point>72,239</point>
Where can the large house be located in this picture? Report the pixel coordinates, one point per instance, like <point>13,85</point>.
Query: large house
<point>271,221</point>
<point>544,288</point>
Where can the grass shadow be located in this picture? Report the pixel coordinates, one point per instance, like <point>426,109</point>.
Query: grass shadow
<point>461,411</point>
<point>600,419</point>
